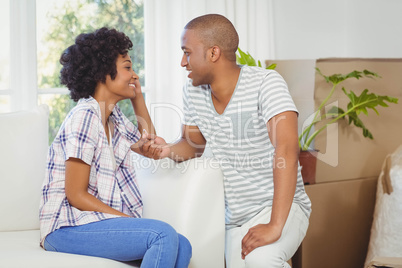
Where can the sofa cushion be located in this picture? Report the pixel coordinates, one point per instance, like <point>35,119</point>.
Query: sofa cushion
<point>21,249</point>
<point>23,143</point>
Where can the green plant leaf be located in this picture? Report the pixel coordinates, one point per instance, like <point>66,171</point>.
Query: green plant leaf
<point>320,73</point>
<point>271,67</point>
<point>360,104</point>
<point>353,118</point>
<point>335,111</point>
<point>353,74</point>
<point>245,58</point>
<point>338,78</point>
<point>367,100</point>
<point>370,74</point>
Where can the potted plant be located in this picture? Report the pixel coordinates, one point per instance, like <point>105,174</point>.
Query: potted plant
<point>357,105</point>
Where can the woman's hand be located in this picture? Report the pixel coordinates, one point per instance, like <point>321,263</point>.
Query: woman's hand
<point>137,86</point>
<point>259,235</point>
<point>151,146</point>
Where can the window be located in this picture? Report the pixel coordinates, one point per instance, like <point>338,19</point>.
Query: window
<point>50,26</point>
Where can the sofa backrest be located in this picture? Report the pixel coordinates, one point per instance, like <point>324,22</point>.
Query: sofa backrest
<point>190,197</point>
<point>23,149</point>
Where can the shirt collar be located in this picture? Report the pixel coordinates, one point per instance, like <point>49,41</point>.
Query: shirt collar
<point>116,114</point>
<point>122,133</point>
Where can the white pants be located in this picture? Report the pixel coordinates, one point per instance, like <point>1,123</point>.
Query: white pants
<point>273,255</point>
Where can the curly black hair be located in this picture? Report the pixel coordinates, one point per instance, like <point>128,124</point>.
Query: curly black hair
<point>90,59</point>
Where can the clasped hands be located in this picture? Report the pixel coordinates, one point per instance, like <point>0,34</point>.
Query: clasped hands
<point>153,146</point>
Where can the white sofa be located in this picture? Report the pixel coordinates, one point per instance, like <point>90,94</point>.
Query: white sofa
<point>188,195</point>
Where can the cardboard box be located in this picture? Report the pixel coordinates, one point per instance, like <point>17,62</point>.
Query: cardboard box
<point>385,262</point>
<point>340,223</point>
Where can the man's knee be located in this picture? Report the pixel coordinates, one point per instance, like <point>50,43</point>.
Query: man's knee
<point>264,257</point>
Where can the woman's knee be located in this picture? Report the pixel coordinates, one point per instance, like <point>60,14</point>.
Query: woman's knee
<point>185,247</point>
<point>184,252</point>
<point>175,240</point>
<point>166,232</point>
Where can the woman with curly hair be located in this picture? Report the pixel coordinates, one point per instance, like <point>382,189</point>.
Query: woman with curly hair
<point>91,204</point>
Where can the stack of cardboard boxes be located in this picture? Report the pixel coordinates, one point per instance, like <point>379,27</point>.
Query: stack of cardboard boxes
<point>348,165</point>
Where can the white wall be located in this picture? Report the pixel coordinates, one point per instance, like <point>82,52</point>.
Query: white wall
<point>313,29</point>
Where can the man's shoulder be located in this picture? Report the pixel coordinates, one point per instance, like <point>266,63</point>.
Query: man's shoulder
<point>254,73</point>
<point>257,75</point>
<point>255,70</point>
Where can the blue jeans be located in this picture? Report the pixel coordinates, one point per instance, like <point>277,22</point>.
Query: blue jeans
<point>124,239</point>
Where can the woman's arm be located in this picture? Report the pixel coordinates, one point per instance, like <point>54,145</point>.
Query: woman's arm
<point>141,111</point>
<point>76,188</point>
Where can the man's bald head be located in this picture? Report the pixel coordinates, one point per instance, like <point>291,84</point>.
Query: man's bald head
<point>216,30</point>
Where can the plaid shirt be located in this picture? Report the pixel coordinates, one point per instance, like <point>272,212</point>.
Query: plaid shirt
<point>82,136</point>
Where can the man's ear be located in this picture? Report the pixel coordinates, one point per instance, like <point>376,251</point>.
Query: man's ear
<point>215,53</point>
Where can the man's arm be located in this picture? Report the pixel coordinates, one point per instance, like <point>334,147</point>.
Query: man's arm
<point>191,144</point>
<point>282,130</point>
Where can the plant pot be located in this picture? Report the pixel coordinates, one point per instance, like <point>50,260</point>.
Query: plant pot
<point>308,162</point>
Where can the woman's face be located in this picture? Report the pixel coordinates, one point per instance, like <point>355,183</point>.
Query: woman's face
<point>126,83</point>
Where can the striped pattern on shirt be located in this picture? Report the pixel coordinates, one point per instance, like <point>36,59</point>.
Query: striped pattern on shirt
<point>239,139</point>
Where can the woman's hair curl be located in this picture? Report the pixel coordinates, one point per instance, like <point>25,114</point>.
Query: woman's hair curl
<point>90,59</point>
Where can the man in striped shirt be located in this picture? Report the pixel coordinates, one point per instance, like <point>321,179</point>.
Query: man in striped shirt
<point>249,120</point>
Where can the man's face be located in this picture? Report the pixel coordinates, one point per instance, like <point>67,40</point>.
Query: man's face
<point>195,59</point>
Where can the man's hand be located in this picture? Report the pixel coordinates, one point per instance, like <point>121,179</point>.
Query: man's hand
<point>259,235</point>
<point>151,146</point>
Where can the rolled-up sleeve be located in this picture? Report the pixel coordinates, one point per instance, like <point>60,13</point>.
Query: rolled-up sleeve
<point>81,134</point>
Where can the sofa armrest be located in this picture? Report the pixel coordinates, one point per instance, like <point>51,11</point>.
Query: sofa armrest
<point>23,150</point>
<point>190,197</point>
